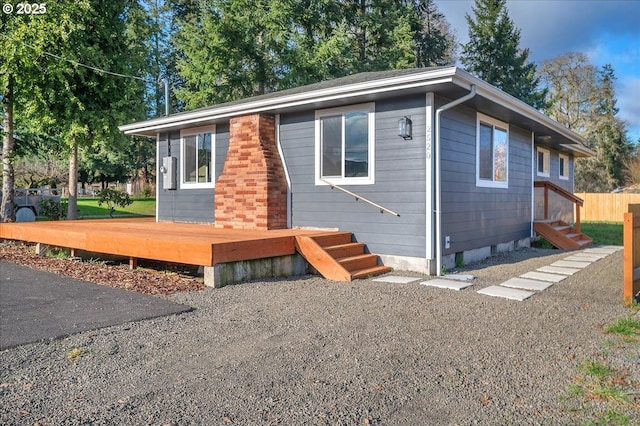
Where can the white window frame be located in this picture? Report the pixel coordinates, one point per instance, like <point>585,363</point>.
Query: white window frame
<point>490,121</point>
<point>546,166</point>
<point>191,132</point>
<point>563,172</point>
<point>369,108</point>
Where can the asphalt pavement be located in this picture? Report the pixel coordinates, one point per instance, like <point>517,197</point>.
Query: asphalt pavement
<point>38,305</point>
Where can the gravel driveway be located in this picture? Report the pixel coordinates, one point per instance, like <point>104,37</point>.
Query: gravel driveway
<point>311,351</point>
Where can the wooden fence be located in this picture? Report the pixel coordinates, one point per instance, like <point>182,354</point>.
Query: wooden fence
<point>606,207</point>
<point>631,262</point>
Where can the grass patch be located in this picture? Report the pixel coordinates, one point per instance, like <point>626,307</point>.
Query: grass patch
<point>602,394</point>
<point>603,233</point>
<point>627,327</point>
<point>88,207</point>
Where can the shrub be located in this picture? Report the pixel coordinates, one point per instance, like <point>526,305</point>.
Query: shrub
<point>52,209</point>
<point>147,191</point>
<point>113,198</point>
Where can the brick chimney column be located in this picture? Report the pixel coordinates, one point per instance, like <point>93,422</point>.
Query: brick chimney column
<point>251,192</point>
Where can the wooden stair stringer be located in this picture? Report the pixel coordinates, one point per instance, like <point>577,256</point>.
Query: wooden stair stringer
<point>561,235</point>
<point>322,261</point>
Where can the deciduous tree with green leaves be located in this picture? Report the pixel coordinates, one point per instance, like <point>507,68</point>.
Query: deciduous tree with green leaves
<point>493,53</point>
<point>66,68</point>
<point>582,97</point>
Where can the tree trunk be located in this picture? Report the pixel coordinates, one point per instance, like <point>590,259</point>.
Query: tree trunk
<point>7,209</point>
<point>72,212</point>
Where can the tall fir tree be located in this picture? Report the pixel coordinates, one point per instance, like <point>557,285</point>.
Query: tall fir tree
<point>230,49</point>
<point>493,53</point>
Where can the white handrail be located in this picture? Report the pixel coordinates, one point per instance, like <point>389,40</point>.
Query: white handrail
<point>359,197</point>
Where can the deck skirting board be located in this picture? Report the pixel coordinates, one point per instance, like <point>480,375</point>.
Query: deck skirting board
<point>228,273</point>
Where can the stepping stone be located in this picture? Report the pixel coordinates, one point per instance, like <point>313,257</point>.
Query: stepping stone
<point>396,279</point>
<point>590,257</point>
<point>527,284</point>
<point>603,250</point>
<point>574,258</point>
<point>544,276</point>
<point>450,284</point>
<point>571,264</point>
<point>458,277</point>
<point>507,293</point>
<point>558,270</point>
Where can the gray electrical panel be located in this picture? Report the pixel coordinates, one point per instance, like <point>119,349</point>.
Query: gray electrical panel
<point>168,170</point>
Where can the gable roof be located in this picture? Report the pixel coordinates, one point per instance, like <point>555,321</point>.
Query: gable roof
<point>448,82</point>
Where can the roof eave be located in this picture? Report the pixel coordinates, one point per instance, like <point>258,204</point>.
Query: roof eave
<point>493,94</point>
<point>151,127</point>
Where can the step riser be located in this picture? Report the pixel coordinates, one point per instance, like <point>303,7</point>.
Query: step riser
<point>359,263</point>
<point>333,239</point>
<point>349,250</point>
<point>370,272</point>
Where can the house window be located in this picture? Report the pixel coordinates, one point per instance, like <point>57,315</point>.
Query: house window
<point>564,167</point>
<point>543,158</point>
<point>197,152</point>
<point>345,145</point>
<point>492,153</point>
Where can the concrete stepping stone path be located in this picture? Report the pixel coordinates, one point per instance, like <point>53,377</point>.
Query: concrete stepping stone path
<point>395,279</point>
<point>507,293</point>
<point>527,284</point>
<point>546,276</point>
<point>450,284</point>
<point>558,270</point>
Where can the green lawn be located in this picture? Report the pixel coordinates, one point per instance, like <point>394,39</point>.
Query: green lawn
<point>603,233</point>
<point>88,207</point>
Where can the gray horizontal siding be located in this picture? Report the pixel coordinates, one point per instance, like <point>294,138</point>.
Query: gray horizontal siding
<point>559,207</point>
<point>189,205</point>
<point>476,217</point>
<point>399,182</point>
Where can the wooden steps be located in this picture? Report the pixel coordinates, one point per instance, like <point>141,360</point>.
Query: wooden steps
<point>337,258</point>
<point>561,235</point>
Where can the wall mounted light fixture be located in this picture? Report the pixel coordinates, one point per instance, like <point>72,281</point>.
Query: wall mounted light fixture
<point>404,128</point>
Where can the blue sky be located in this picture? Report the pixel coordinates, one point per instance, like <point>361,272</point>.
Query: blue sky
<point>607,31</point>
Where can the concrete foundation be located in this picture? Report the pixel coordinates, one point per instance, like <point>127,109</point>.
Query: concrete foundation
<point>224,274</point>
<point>476,255</point>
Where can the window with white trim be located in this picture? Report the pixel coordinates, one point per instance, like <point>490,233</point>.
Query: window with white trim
<point>564,167</point>
<point>543,158</point>
<point>197,153</point>
<point>344,139</point>
<point>492,152</point>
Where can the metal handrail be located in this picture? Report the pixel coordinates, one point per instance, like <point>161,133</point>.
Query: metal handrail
<point>359,197</point>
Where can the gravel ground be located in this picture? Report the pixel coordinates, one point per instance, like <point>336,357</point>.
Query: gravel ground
<point>312,351</point>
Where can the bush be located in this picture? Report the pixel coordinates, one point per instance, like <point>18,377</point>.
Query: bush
<point>52,209</point>
<point>147,191</point>
<point>113,198</point>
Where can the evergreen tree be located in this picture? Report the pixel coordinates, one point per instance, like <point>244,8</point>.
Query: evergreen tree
<point>435,41</point>
<point>493,53</point>
<point>230,49</point>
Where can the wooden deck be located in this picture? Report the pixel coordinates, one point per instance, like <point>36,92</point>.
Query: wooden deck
<point>191,244</point>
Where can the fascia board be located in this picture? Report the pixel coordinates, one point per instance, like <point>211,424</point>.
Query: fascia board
<point>580,150</point>
<point>496,95</point>
<point>282,102</point>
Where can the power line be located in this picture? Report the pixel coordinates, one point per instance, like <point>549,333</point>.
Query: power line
<point>80,64</point>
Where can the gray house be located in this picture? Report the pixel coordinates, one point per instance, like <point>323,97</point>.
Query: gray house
<point>450,161</point>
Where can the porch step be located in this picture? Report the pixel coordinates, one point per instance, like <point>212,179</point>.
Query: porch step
<point>561,235</point>
<point>337,258</point>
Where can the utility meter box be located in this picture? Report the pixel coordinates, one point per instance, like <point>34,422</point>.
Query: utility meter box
<point>168,170</point>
